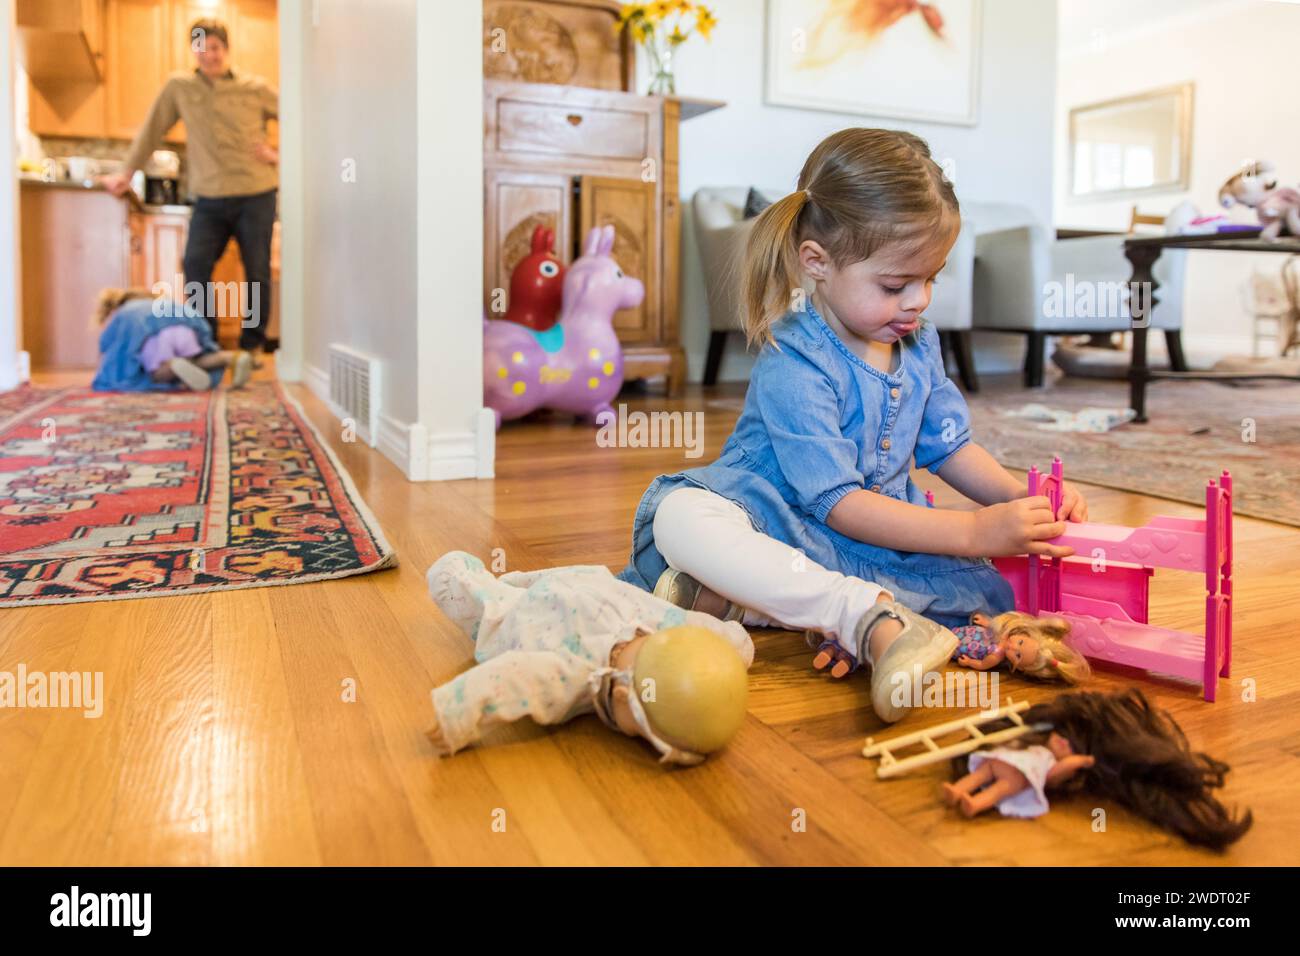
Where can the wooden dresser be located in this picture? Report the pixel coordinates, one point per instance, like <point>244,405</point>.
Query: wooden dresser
<point>567,145</point>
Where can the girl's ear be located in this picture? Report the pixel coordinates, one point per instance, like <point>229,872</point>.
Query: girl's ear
<point>813,259</point>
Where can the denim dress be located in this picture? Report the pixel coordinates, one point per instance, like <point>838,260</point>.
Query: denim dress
<point>818,423</point>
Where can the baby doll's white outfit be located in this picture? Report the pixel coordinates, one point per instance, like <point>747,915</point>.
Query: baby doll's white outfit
<point>543,641</point>
<point>1034,762</point>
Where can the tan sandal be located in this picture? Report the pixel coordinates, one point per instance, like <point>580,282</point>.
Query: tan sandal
<point>681,590</point>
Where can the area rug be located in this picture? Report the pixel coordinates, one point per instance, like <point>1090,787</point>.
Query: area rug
<point>108,495</point>
<point>1195,430</point>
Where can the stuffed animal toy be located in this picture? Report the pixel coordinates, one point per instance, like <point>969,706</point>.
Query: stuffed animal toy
<point>576,365</point>
<point>1250,186</point>
<point>1255,187</point>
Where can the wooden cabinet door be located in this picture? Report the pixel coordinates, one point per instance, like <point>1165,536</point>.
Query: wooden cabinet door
<point>137,265</point>
<point>255,39</point>
<point>514,205</point>
<point>165,250</point>
<point>255,47</point>
<point>629,205</point>
<point>92,27</point>
<point>134,37</point>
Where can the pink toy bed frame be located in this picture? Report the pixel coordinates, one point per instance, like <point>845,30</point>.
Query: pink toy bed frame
<point>1103,590</point>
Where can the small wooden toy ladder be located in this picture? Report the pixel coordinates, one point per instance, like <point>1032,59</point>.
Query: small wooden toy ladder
<point>891,766</point>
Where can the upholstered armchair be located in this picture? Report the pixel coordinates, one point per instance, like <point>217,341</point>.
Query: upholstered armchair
<point>1028,282</point>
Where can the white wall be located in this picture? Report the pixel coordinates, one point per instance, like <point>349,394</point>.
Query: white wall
<point>384,256</point>
<point>359,77</point>
<point>1006,156</point>
<point>1238,54</point>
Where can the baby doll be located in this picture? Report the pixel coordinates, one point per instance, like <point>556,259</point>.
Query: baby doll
<point>558,643</point>
<point>1113,746</point>
<point>150,343</point>
<point>1033,646</point>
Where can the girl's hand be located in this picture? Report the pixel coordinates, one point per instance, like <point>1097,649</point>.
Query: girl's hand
<point>1073,507</point>
<point>1021,526</point>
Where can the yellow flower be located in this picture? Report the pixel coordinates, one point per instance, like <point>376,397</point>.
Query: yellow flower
<point>677,36</point>
<point>682,6</point>
<point>628,13</point>
<point>659,9</point>
<point>641,30</point>
<point>705,21</point>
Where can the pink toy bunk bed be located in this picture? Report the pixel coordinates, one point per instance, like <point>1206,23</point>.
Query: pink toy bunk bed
<point>1103,589</point>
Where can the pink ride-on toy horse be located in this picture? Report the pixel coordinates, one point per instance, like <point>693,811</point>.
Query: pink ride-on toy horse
<point>576,365</point>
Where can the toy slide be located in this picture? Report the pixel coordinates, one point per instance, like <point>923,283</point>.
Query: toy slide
<point>1103,590</point>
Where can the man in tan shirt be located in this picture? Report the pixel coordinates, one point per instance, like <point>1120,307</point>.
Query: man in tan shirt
<point>231,167</point>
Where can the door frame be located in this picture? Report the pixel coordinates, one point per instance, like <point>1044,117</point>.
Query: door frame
<point>15,365</point>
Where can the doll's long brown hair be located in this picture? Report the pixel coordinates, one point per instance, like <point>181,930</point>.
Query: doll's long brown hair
<point>1143,762</point>
<point>859,190</point>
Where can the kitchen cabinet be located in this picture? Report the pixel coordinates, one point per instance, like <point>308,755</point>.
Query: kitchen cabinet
<point>74,243</point>
<point>137,45</point>
<point>60,40</point>
<point>135,34</point>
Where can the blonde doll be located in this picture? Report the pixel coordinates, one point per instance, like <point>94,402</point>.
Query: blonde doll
<point>1033,646</point>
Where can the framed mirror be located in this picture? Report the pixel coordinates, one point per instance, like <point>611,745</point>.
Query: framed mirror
<point>1132,145</point>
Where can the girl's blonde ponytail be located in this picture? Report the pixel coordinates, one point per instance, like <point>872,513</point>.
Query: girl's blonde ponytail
<point>771,266</point>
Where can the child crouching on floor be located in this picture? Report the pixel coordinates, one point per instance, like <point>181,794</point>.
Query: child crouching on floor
<point>150,343</point>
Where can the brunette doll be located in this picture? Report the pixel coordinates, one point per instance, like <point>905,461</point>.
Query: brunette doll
<point>1114,746</point>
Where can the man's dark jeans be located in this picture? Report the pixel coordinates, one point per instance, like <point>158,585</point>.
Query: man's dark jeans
<point>249,219</point>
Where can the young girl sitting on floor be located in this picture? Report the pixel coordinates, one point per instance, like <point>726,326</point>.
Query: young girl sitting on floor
<point>809,518</point>
<point>150,343</point>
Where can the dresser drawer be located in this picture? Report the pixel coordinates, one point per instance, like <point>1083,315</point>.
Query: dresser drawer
<point>571,129</point>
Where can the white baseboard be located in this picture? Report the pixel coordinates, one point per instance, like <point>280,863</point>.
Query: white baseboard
<point>444,457</point>
<point>406,445</point>
<point>421,456</point>
<point>318,380</point>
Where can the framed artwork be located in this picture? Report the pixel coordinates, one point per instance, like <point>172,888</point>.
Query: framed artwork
<point>889,58</point>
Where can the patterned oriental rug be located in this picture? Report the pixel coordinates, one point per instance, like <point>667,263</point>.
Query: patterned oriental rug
<point>107,495</point>
<point>1196,429</point>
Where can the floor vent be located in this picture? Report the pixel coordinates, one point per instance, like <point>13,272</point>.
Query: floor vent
<point>354,391</point>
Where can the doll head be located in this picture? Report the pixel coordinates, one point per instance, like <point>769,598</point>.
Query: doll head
<point>1035,646</point>
<point>687,695</point>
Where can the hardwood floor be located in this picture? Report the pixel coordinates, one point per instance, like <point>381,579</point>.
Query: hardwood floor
<point>228,736</point>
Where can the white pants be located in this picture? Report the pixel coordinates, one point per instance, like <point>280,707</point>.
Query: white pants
<point>710,538</point>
